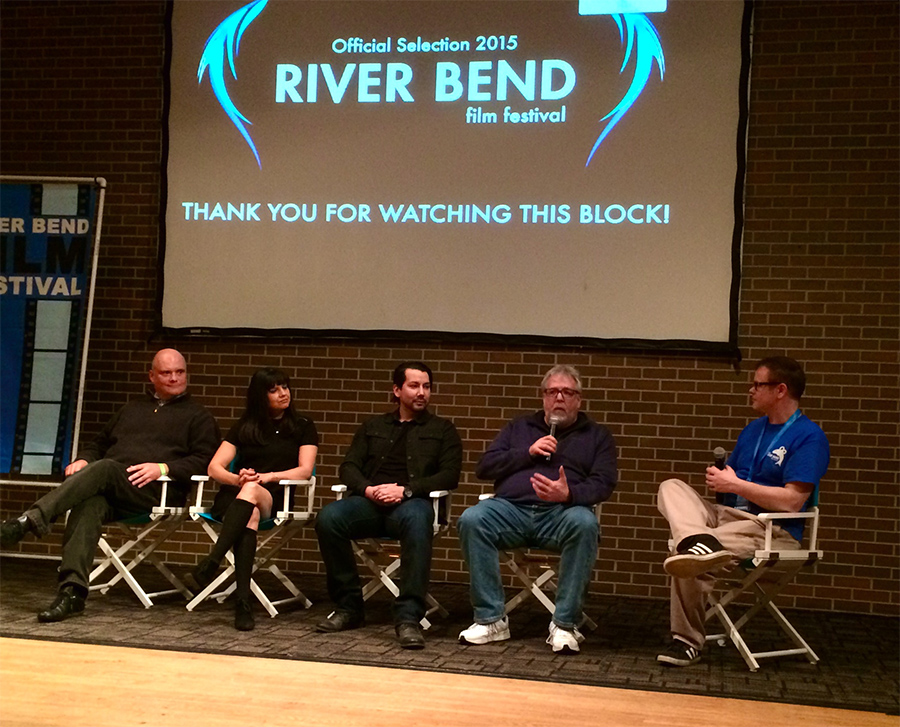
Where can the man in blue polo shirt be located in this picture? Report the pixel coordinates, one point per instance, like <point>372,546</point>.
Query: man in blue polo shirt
<point>776,466</point>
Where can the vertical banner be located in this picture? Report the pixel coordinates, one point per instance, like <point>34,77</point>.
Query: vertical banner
<point>49,230</point>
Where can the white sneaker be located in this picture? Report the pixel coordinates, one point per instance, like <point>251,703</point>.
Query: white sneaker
<point>563,641</point>
<point>485,633</point>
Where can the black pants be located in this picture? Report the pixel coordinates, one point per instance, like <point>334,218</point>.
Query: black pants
<point>97,494</point>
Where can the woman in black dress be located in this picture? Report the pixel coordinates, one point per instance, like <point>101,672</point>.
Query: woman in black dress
<point>270,442</point>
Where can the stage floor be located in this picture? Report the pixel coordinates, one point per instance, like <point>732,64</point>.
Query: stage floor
<point>859,669</point>
<point>84,685</point>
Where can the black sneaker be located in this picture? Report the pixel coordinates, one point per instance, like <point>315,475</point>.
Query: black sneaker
<point>697,554</point>
<point>679,653</point>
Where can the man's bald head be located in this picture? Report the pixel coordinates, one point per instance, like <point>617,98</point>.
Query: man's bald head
<point>168,374</point>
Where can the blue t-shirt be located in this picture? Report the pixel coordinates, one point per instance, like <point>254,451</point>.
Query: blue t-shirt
<point>769,455</point>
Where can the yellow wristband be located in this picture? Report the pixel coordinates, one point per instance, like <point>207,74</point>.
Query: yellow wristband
<point>163,469</point>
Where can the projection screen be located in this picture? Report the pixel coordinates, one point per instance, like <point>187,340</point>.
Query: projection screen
<point>540,170</point>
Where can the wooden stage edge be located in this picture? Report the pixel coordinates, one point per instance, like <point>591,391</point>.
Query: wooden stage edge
<point>44,683</point>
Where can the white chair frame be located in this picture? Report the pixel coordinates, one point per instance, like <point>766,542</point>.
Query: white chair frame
<point>286,524</point>
<point>143,536</point>
<point>383,565</point>
<point>784,565</point>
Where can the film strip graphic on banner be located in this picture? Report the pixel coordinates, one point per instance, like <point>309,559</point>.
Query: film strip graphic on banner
<point>49,230</point>
<point>46,401</point>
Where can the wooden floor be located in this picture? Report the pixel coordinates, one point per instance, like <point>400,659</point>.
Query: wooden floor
<point>50,683</point>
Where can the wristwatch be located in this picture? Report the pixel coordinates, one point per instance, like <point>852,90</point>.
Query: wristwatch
<point>407,493</point>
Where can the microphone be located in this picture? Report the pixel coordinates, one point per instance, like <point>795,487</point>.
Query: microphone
<point>719,455</point>
<point>719,462</point>
<point>553,420</point>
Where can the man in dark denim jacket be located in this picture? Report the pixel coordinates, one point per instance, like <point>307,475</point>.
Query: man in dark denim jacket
<point>394,461</point>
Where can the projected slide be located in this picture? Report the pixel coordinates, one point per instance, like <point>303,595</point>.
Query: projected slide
<point>531,169</point>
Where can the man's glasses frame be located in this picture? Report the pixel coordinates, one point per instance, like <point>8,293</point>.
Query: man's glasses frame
<point>566,392</point>
<point>755,385</point>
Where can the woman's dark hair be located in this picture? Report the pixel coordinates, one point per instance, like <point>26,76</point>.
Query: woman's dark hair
<point>255,422</point>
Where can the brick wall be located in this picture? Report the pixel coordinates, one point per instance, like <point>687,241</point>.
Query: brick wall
<point>82,95</point>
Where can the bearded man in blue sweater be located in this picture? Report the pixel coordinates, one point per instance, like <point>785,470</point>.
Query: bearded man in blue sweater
<point>549,469</point>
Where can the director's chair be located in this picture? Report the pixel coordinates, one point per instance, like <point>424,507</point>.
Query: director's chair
<point>383,562</point>
<point>279,530</point>
<point>763,577</point>
<point>143,534</point>
<point>535,569</point>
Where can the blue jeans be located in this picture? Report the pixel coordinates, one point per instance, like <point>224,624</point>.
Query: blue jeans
<point>357,517</point>
<point>496,524</point>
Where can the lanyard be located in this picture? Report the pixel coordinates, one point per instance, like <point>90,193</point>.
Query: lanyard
<point>794,417</point>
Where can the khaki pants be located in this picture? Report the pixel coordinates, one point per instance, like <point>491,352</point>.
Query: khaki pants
<point>737,531</point>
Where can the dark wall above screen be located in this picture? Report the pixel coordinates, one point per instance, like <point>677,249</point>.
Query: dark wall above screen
<point>570,170</point>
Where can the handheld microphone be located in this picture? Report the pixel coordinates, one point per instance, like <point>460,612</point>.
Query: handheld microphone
<point>719,463</point>
<point>553,420</point>
<point>719,455</point>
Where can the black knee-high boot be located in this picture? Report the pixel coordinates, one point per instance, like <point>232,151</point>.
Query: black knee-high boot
<point>233,526</point>
<point>244,555</point>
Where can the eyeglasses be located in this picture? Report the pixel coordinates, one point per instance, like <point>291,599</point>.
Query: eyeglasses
<point>756,384</point>
<point>567,393</point>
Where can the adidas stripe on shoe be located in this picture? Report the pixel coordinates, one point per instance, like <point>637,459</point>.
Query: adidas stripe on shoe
<point>697,555</point>
<point>679,653</point>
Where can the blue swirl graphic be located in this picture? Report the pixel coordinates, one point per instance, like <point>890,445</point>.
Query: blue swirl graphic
<point>643,38</point>
<point>227,39</point>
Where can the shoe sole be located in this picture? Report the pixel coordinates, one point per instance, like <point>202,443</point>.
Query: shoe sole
<point>502,636</point>
<point>691,566</point>
<point>412,645</point>
<point>673,661</point>
<point>566,650</point>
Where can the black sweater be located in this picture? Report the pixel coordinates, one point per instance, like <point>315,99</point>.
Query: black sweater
<point>182,434</point>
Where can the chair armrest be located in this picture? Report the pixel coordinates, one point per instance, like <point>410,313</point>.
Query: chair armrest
<point>164,494</point>
<point>164,508</point>
<point>440,502</point>
<point>785,515</point>
<point>771,518</point>
<point>310,486</point>
<point>197,508</point>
